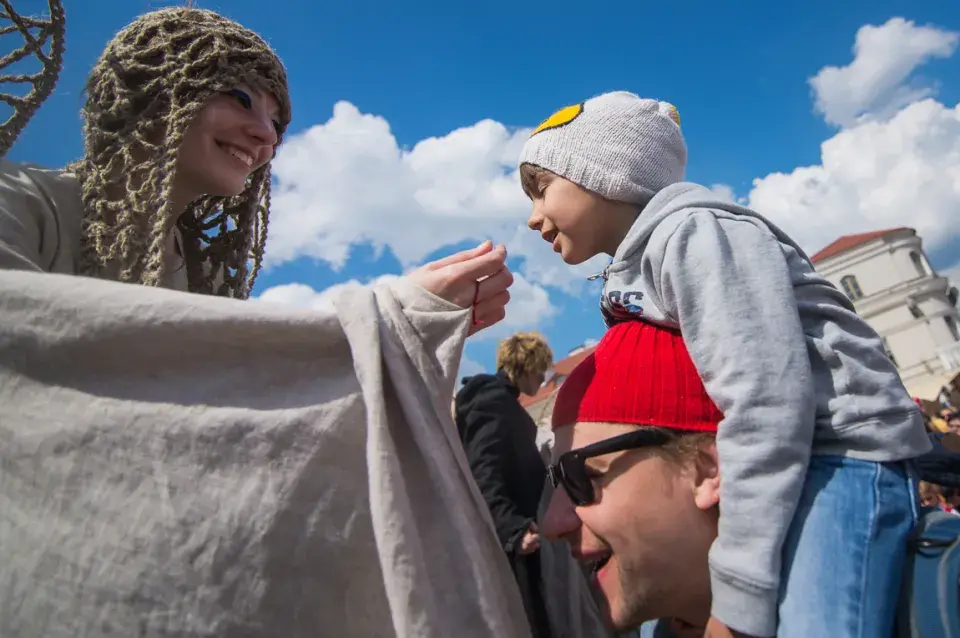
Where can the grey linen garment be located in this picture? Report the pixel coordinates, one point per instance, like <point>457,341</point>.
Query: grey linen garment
<point>182,465</point>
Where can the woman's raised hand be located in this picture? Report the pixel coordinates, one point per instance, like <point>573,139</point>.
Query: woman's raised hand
<point>478,277</point>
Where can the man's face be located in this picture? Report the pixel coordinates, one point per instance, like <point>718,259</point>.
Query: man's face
<point>649,531</point>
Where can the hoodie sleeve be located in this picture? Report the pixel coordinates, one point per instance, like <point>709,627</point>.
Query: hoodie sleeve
<point>727,284</point>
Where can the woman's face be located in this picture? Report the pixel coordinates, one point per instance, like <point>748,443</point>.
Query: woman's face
<point>234,134</point>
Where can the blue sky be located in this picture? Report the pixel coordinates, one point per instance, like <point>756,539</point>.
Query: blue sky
<point>364,195</point>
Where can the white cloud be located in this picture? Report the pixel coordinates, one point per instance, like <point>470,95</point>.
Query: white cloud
<point>529,306</point>
<point>875,85</point>
<point>348,181</point>
<point>902,172</point>
<point>304,296</point>
<point>724,193</point>
<point>897,162</point>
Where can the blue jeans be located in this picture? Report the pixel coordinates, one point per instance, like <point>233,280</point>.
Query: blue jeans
<point>844,554</point>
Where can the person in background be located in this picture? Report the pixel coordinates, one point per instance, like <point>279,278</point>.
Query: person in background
<point>499,437</point>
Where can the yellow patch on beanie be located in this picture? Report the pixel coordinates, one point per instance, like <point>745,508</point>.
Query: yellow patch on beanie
<point>561,118</point>
<point>671,111</point>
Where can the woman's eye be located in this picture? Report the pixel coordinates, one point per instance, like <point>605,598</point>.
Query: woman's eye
<point>278,127</point>
<point>241,97</point>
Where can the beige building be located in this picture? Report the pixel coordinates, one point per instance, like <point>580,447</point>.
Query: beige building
<point>887,276</point>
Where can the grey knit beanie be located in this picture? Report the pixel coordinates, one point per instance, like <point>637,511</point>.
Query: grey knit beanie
<point>617,145</point>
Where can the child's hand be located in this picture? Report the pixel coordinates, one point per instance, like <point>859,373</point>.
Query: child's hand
<point>716,629</point>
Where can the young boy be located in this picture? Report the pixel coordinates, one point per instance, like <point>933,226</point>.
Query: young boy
<point>804,384</point>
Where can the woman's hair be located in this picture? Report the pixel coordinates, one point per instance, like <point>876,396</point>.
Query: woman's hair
<point>523,353</point>
<point>147,87</point>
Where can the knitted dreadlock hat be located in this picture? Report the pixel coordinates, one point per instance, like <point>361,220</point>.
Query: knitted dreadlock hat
<point>617,145</point>
<point>149,84</point>
<point>640,374</point>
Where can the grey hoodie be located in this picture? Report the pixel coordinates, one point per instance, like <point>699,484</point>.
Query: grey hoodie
<point>784,356</point>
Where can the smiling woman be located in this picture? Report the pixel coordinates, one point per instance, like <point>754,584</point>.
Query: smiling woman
<point>183,113</point>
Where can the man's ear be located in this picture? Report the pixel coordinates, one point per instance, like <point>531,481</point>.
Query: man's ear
<point>706,491</point>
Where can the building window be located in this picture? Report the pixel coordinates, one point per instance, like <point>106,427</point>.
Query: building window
<point>886,348</point>
<point>918,263</point>
<point>952,327</point>
<point>851,287</point>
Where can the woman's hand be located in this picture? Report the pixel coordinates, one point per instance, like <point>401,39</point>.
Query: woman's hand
<point>479,274</point>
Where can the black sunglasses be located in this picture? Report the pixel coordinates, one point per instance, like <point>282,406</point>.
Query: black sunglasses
<point>570,470</point>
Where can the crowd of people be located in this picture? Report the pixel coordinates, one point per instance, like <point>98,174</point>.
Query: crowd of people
<point>738,457</point>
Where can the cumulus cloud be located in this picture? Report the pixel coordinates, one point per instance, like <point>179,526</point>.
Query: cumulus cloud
<point>348,181</point>
<point>875,84</point>
<point>884,169</point>
<point>902,172</point>
<point>304,296</point>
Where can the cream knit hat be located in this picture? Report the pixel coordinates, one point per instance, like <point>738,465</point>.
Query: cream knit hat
<point>617,145</point>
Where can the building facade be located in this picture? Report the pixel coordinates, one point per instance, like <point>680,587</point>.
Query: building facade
<point>893,287</point>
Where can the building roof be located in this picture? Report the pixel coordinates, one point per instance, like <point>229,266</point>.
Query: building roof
<point>561,369</point>
<point>848,242</point>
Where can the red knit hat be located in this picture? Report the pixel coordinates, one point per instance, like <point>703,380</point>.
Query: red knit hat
<point>640,374</point>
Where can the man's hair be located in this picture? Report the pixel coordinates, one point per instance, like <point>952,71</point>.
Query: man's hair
<point>523,353</point>
<point>683,446</point>
<point>149,84</point>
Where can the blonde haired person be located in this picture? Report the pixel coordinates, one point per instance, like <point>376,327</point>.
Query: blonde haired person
<point>525,359</point>
<point>500,441</point>
<point>194,464</point>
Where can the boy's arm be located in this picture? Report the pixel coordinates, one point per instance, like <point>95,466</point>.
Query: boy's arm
<point>727,284</point>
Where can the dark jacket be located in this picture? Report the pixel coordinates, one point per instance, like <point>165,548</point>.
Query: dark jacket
<point>940,465</point>
<point>500,440</point>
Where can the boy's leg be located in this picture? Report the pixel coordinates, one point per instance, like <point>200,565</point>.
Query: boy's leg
<point>844,554</point>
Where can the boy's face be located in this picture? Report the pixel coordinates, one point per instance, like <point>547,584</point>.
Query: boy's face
<point>578,224</point>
